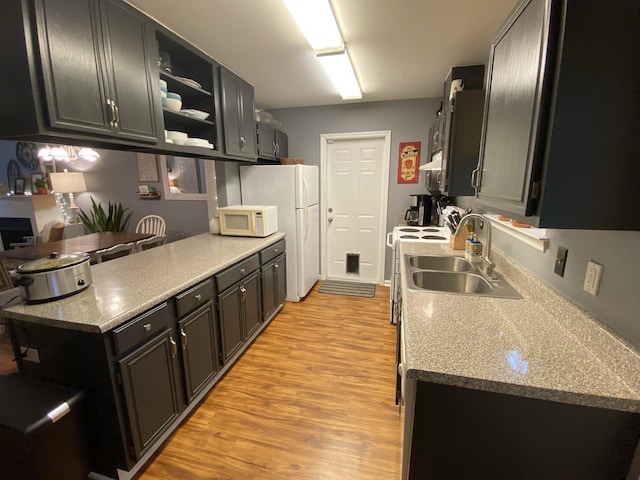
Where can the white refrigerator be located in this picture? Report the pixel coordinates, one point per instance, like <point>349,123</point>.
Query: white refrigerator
<point>294,190</point>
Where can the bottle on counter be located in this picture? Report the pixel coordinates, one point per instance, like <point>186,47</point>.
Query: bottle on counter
<point>473,246</point>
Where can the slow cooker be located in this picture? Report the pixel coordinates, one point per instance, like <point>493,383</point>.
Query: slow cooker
<point>53,277</point>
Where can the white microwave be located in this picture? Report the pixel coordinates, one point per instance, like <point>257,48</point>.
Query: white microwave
<point>248,220</point>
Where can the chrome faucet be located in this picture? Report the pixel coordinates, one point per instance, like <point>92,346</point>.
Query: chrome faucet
<point>486,253</point>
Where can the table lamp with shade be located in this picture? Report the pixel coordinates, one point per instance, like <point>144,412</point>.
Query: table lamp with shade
<point>70,183</point>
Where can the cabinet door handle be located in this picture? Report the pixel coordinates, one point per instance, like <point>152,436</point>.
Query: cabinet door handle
<point>184,338</point>
<point>117,113</point>
<point>174,347</point>
<point>112,112</point>
<point>474,178</point>
<point>244,293</point>
<point>276,266</point>
<point>242,143</point>
<point>275,148</point>
<point>147,327</point>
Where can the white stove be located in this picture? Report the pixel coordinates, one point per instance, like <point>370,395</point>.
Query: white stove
<point>429,234</point>
<point>408,233</point>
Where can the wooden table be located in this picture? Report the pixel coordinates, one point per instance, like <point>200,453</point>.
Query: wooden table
<point>10,259</point>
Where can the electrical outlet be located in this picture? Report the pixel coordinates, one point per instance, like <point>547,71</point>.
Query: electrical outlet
<point>31,354</point>
<point>561,261</point>
<point>592,278</point>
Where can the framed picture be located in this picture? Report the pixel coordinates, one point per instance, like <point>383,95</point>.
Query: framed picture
<point>408,162</point>
<point>147,167</point>
<point>143,189</point>
<point>34,178</point>
<point>18,187</point>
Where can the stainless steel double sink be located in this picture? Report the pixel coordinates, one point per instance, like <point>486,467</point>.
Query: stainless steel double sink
<point>450,274</point>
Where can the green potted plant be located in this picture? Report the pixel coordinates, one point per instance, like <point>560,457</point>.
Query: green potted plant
<point>41,186</point>
<point>114,219</point>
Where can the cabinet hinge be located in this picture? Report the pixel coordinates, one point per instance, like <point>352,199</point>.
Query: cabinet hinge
<point>118,378</point>
<point>535,190</point>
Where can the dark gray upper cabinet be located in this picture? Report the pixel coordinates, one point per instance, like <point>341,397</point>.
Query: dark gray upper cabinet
<point>266,142</point>
<point>96,64</point>
<point>462,128</point>
<point>272,144</point>
<point>282,144</point>
<point>559,121</point>
<point>454,137</point>
<point>238,116</point>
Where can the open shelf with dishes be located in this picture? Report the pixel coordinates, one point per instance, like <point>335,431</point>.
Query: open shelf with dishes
<point>190,74</point>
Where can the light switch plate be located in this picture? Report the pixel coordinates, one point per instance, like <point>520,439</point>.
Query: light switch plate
<point>592,278</point>
<point>561,261</point>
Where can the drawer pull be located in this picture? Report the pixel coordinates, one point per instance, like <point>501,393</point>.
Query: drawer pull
<point>198,297</point>
<point>242,270</point>
<point>147,327</point>
<point>276,250</point>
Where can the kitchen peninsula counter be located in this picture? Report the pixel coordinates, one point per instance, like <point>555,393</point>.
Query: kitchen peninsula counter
<point>542,346</point>
<point>127,286</point>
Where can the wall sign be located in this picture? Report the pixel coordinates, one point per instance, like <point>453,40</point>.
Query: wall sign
<point>408,162</point>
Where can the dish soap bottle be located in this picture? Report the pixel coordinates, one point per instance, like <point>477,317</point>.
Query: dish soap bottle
<point>473,247</point>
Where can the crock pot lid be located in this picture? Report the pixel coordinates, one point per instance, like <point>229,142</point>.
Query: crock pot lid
<point>54,261</point>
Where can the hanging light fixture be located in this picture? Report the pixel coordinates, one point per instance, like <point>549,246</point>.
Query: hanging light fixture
<point>67,153</point>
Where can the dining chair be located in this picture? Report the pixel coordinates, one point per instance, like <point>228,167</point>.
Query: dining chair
<point>151,224</point>
<point>51,232</point>
<point>151,242</point>
<point>110,253</point>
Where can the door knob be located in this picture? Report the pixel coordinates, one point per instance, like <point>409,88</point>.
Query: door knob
<point>330,210</point>
<point>330,219</point>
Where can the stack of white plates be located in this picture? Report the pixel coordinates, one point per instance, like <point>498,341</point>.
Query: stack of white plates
<point>199,114</point>
<point>199,142</point>
<point>190,82</point>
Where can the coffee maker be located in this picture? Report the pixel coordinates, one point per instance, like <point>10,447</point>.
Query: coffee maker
<point>419,212</point>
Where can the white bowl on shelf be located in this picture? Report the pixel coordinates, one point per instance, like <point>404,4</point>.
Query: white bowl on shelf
<point>180,141</point>
<point>199,114</point>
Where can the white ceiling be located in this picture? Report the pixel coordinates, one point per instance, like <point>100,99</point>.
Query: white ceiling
<point>400,48</point>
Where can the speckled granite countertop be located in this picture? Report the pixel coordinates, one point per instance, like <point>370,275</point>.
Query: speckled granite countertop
<point>541,346</point>
<point>127,286</point>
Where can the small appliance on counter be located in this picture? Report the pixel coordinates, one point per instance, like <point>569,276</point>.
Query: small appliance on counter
<point>248,220</point>
<point>419,212</point>
<point>55,276</point>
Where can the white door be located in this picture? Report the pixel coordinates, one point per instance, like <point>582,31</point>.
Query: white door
<point>356,173</point>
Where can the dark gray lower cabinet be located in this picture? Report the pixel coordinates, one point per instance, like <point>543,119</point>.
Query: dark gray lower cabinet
<point>240,313</point>
<point>230,322</point>
<point>274,285</point>
<point>150,389</point>
<point>455,432</point>
<point>198,341</point>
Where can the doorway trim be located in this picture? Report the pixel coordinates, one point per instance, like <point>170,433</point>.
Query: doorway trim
<point>325,139</point>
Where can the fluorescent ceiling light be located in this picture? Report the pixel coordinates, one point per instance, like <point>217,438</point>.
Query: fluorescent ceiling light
<point>340,70</point>
<point>316,20</point>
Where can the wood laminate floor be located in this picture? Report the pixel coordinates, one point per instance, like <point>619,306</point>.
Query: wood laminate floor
<point>313,398</point>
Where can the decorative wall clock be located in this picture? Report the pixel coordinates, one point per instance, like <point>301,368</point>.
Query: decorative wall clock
<point>27,155</point>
